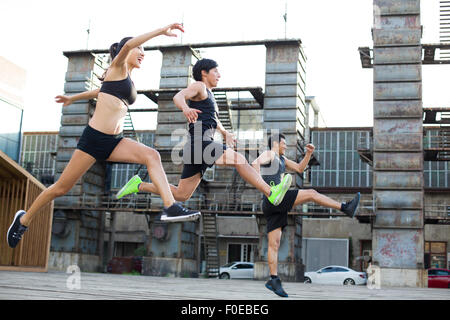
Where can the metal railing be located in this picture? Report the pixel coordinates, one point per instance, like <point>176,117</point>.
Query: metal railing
<point>227,203</point>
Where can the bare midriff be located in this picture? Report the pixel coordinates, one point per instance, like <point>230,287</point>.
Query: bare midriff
<point>109,114</point>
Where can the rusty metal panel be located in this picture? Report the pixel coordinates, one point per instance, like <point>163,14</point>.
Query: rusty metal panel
<point>177,71</point>
<point>398,248</point>
<point>284,102</point>
<point>73,87</point>
<point>397,55</point>
<point>171,116</point>
<point>283,90</point>
<point>397,91</point>
<point>75,119</point>
<point>283,114</point>
<point>394,23</point>
<point>399,37</point>
<point>174,82</point>
<point>398,142</point>
<point>79,107</point>
<point>398,161</point>
<point>79,76</point>
<point>181,56</point>
<point>71,131</point>
<point>397,126</point>
<point>292,78</point>
<point>399,219</point>
<point>284,67</point>
<point>397,180</point>
<point>277,53</point>
<point>283,126</point>
<point>387,109</point>
<point>398,199</point>
<point>405,72</point>
<point>396,7</point>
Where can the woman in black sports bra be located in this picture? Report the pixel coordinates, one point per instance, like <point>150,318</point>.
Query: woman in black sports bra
<point>102,139</point>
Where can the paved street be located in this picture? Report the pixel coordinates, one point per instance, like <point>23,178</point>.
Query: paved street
<point>59,285</point>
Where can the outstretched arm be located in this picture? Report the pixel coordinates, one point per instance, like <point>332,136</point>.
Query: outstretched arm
<point>68,100</point>
<point>139,40</point>
<point>301,166</point>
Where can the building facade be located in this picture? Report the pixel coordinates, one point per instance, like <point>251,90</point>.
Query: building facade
<point>12,86</point>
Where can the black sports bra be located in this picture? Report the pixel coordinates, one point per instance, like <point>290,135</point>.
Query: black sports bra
<point>123,89</point>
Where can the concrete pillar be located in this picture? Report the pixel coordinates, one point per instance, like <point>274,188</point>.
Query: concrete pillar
<point>176,73</point>
<point>284,110</point>
<point>398,240</point>
<point>82,71</point>
<point>173,246</point>
<point>284,97</point>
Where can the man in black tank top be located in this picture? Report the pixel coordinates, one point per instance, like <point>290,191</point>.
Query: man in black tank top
<point>201,151</point>
<point>272,165</point>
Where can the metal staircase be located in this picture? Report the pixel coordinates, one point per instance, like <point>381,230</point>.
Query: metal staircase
<point>129,132</point>
<point>128,128</point>
<point>224,109</point>
<point>211,247</point>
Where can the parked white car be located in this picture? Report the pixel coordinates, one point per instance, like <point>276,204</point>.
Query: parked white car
<point>236,270</point>
<point>336,275</point>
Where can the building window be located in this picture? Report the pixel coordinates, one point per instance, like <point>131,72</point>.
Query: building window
<point>435,254</point>
<point>10,129</point>
<point>340,164</point>
<point>241,252</point>
<point>38,156</point>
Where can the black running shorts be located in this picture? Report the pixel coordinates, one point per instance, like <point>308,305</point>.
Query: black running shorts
<point>276,216</point>
<point>199,155</point>
<point>98,144</point>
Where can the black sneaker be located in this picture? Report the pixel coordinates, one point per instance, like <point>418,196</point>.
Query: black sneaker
<point>275,286</point>
<point>16,230</point>
<point>177,213</point>
<point>349,208</point>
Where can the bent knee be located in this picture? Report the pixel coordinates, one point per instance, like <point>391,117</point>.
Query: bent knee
<point>310,194</point>
<point>151,156</point>
<point>274,244</point>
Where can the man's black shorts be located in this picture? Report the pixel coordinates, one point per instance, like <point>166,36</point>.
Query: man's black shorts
<point>276,216</point>
<point>202,158</point>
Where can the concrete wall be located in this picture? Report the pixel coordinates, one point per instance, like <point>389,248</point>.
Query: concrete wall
<point>339,228</point>
<point>60,261</point>
<point>169,267</point>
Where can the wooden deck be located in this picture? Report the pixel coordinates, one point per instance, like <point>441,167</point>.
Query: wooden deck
<point>98,286</point>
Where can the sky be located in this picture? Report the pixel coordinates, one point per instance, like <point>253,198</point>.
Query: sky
<point>35,34</point>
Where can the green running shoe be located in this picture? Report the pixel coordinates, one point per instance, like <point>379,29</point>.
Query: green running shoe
<point>131,187</point>
<point>280,190</point>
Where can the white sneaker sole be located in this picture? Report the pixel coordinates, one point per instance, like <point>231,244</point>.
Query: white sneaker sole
<point>190,217</point>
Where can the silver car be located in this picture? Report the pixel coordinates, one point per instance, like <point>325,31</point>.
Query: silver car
<point>236,270</point>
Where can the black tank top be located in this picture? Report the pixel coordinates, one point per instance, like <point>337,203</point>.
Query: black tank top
<point>273,170</point>
<point>123,89</point>
<point>209,115</point>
